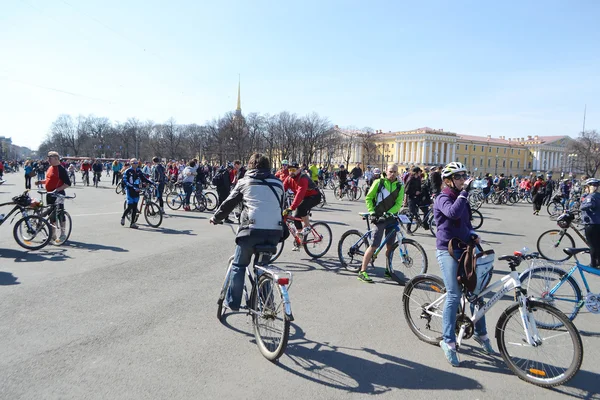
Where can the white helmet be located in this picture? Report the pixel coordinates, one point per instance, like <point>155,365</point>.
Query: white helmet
<point>376,171</point>
<point>453,168</point>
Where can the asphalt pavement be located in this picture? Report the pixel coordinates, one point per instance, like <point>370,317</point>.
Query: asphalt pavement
<point>118,313</point>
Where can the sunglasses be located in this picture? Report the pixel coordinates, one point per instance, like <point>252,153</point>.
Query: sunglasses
<point>459,176</point>
<point>135,163</point>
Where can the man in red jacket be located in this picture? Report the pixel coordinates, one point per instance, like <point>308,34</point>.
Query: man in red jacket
<point>306,196</point>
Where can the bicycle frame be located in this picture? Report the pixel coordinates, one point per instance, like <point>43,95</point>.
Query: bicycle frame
<point>290,220</point>
<point>581,268</point>
<point>505,284</point>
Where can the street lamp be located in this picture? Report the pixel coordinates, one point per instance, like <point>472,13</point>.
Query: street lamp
<point>496,168</point>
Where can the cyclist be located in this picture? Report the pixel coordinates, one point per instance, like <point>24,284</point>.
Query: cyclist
<point>452,215</point>
<point>306,196</point>
<point>57,180</point>
<point>97,168</point>
<point>342,175</point>
<point>283,172</point>
<point>71,173</point>
<point>384,198</point>
<point>159,175</point>
<point>413,191</point>
<point>314,173</point>
<point>356,174</point>
<point>132,179</point>
<point>368,175</point>
<point>116,169</point>
<point>374,176</point>
<point>538,192</point>
<point>590,213</point>
<point>188,177</point>
<point>85,172</point>
<point>260,223</point>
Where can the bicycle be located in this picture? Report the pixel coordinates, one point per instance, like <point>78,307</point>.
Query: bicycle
<point>97,178</point>
<point>413,259</point>
<point>31,232</point>
<point>546,282</point>
<point>316,243</point>
<point>268,302</point>
<point>85,177</point>
<point>200,199</point>
<point>350,190</point>
<point>428,221</point>
<point>551,242</point>
<point>150,209</point>
<point>556,206</point>
<point>72,177</point>
<point>523,332</point>
<point>59,219</point>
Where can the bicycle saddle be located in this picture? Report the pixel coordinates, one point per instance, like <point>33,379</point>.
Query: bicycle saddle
<point>265,248</point>
<point>571,251</point>
<point>364,215</point>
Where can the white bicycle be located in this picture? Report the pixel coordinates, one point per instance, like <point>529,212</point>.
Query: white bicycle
<point>536,340</point>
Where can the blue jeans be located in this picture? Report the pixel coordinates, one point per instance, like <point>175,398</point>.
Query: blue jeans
<point>449,267</point>
<point>241,259</point>
<point>187,189</point>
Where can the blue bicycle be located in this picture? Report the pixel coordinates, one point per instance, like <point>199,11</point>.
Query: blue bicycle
<point>558,287</point>
<point>411,260</point>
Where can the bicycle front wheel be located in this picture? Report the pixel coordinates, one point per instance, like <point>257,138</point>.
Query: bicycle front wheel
<point>549,284</point>
<point>279,251</point>
<point>551,243</point>
<point>554,359</point>
<point>351,249</point>
<point>63,227</point>
<point>476,219</point>
<point>423,318</point>
<point>555,209</point>
<point>414,221</point>
<point>211,201</point>
<point>410,261</point>
<point>174,201</point>
<point>32,232</point>
<point>199,202</point>
<point>271,324</point>
<point>358,193</point>
<point>224,288</point>
<point>152,214</point>
<point>318,241</point>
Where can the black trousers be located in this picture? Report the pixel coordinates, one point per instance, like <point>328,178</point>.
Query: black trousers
<point>592,234</point>
<point>538,199</point>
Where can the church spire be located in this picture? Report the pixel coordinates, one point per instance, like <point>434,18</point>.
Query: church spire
<point>238,110</point>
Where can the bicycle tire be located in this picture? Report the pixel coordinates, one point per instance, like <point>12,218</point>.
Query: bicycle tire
<point>199,202</point>
<point>325,235</point>
<point>152,210</point>
<point>174,200</point>
<point>407,270</point>
<point>224,288</point>
<point>33,226</point>
<point>555,209</point>
<point>432,226</point>
<point>431,287</point>
<point>266,308</point>
<point>534,370</point>
<point>415,222</point>
<point>351,249</point>
<point>280,246</point>
<point>551,243</point>
<point>119,189</point>
<point>539,281</point>
<point>128,216</point>
<point>358,193</point>
<point>211,201</point>
<point>476,219</point>
<point>68,228</point>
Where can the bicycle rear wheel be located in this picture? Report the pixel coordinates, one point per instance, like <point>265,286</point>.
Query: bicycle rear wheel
<point>351,249</point>
<point>62,227</point>
<point>199,202</point>
<point>271,324</point>
<point>410,261</point>
<point>551,243</point>
<point>211,201</point>
<point>423,320</point>
<point>279,251</point>
<point>174,200</point>
<point>415,222</point>
<point>358,193</point>
<point>152,214</point>
<point>558,352</point>
<point>476,219</point>
<point>540,281</point>
<point>224,288</point>
<point>555,209</point>
<point>32,232</point>
<point>318,241</point>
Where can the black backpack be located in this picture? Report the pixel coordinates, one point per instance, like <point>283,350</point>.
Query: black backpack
<point>217,180</point>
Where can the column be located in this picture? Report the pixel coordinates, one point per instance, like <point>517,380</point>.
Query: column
<point>430,149</point>
<point>423,153</point>
<point>444,156</point>
<point>453,152</point>
<point>436,157</point>
<point>409,156</point>
<point>418,153</point>
<point>401,154</point>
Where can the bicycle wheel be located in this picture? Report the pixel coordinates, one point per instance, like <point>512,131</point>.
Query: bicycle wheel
<point>476,219</point>
<point>174,200</point>
<point>119,188</point>
<point>211,201</point>
<point>414,221</point>
<point>279,251</point>
<point>63,227</point>
<point>318,241</point>
<point>224,288</point>
<point>271,324</point>
<point>540,281</point>
<point>199,202</point>
<point>152,214</point>
<point>555,209</point>
<point>32,232</point>
<point>351,249</point>
<point>432,226</point>
<point>358,193</point>
<point>558,352</point>
<point>551,243</point>
<point>411,261</point>
<point>423,320</point>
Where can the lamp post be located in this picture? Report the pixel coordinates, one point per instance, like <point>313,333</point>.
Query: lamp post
<point>496,168</point>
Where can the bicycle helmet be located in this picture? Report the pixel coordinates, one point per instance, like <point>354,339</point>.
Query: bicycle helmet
<point>294,165</point>
<point>453,168</point>
<point>564,221</point>
<point>376,171</point>
<point>592,182</point>
<point>284,162</point>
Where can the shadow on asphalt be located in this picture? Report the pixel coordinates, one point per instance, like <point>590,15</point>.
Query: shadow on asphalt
<point>93,247</point>
<point>169,231</point>
<point>333,222</point>
<point>584,385</point>
<point>500,233</point>
<point>328,208</point>
<point>193,216</point>
<point>7,279</point>
<point>57,254</point>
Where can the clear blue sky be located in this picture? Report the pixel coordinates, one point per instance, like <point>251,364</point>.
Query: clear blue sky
<point>511,68</point>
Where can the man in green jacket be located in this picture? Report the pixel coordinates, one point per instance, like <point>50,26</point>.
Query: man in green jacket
<point>385,197</point>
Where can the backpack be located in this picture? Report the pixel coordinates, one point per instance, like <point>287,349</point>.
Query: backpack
<point>311,183</point>
<point>217,180</point>
<point>542,189</point>
<point>475,266</point>
<point>389,201</point>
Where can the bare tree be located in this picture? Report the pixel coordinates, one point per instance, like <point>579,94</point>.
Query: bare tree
<point>587,148</point>
<point>368,146</point>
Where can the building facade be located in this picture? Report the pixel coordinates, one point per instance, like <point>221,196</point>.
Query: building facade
<point>480,154</point>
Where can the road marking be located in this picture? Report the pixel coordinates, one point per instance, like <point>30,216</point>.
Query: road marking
<point>90,215</point>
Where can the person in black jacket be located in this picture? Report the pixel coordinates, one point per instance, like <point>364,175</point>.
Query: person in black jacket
<point>222,182</point>
<point>159,175</point>
<point>413,190</point>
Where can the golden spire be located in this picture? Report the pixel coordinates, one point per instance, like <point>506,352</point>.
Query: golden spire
<point>239,100</point>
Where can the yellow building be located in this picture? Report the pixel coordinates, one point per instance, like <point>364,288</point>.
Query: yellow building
<point>480,154</point>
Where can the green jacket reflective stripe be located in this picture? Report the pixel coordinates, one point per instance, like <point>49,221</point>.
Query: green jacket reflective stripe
<point>371,201</point>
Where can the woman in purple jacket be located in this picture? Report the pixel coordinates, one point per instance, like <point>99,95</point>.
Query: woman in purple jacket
<point>452,215</point>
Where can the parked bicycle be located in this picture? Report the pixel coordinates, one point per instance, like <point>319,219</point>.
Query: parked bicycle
<point>316,243</point>
<point>31,232</point>
<point>200,200</point>
<point>411,258</point>
<point>551,243</point>
<point>267,302</point>
<point>59,219</point>
<point>146,206</point>
<point>536,340</point>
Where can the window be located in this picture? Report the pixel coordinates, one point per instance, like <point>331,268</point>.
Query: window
<point>473,161</point>
<point>505,150</point>
<point>504,164</point>
<point>466,147</point>
<point>482,149</point>
<point>518,164</point>
<point>481,162</point>
<point>529,164</point>
<point>466,163</point>
<point>392,145</point>
<point>489,149</point>
<point>512,151</point>
<point>474,147</point>
<point>519,152</point>
<point>458,147</point>
<point>378,157</point>
<point>497,150</point>
<point>511,164</point>
<point>489,162</point>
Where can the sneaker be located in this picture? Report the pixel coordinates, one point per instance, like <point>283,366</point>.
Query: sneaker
<point>305,232</point>
<point>486,345</point>
<point>61,238</point>
<point>133,225</point>
<point>364,277</point>
<point>296,247</point>
<point>450,354</point>
<point>122,221</point>
<point>387,274</point>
